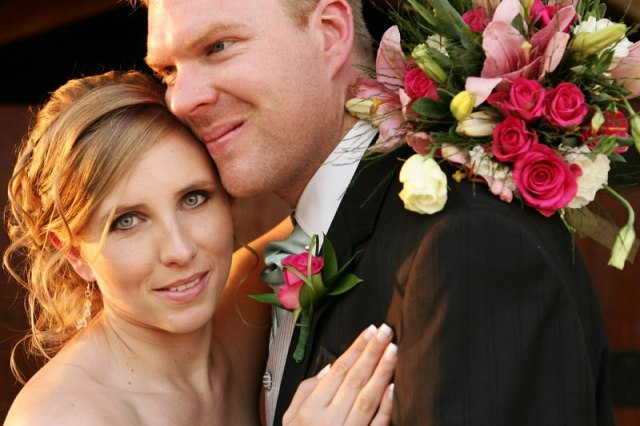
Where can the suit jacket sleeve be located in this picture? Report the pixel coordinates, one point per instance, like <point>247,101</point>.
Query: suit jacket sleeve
<point>497,324</point>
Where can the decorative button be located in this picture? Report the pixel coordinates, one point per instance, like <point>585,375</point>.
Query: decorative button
<point>267,381</point>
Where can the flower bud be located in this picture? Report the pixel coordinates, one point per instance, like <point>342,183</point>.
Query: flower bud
<point>425,61</point>
<point>478,124</point>
<point>622,246</point>
<point>462,105</point>
<point>595,42</point>
<point>597,120</point>
<point>527,4</point>
<point>361,108</point>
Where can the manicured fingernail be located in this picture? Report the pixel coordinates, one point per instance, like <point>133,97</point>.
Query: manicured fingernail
<point>324,371</point>
<point>384,332</point>
<point>390,389</point>
<point>391,352</point>
<point>369,332</point>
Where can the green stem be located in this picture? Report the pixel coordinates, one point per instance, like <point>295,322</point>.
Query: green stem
<point>621,199</point>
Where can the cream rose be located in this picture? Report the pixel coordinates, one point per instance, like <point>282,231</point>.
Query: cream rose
<point>595,171</point>
<point>425,185</point>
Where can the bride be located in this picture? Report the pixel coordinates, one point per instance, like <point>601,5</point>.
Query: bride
<point>122,236</point>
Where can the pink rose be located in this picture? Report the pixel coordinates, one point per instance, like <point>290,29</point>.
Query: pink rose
<point>288,293</point>
<point>564,106</point>
<point>511,139</point>
<point>498,99</point>
<point>614,124</point>
<point>476,19</point>
<point>526,99</point>
<point>545,181</point>
<point>417,85</point>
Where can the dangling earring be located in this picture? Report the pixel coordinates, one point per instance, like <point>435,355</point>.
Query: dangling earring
<point>86,310</point>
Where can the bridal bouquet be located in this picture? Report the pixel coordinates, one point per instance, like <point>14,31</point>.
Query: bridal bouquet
<point>530,97</point>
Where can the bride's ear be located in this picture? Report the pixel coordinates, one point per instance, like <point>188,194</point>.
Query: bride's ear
<point>334,18</point>
<point>82,268</point>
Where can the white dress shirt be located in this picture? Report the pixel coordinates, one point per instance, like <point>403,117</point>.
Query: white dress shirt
<point>321,197</point>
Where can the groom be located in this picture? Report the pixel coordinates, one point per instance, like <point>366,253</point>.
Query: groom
<point>495,317</point>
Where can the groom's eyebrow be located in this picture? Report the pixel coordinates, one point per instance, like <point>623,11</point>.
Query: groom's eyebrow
<point>211,33</point>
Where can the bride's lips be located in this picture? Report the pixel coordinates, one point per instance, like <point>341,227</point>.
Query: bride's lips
<point>218,138</point>
<point>185,290</point>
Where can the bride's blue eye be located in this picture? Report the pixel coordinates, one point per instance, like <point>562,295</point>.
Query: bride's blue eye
<point>124,222</point>
<point>194,199</point>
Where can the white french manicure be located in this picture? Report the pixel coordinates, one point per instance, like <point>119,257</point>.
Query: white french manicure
<point>324,371</point>
<point>384,332</point>
<point>391,352</point>
<point>369,332</point>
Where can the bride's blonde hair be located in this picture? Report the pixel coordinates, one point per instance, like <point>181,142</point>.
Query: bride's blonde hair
<point>88,136</point>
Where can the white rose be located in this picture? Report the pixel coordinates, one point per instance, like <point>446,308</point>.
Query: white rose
<point>595,172</point>
<point>425,185</point>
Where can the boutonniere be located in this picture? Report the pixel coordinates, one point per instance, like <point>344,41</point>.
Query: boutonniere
<point>308,278</point>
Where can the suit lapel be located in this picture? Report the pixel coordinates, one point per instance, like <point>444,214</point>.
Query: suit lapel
<point>352,225</point>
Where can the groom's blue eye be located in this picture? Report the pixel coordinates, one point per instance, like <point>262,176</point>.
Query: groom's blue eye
<point>218,46</point>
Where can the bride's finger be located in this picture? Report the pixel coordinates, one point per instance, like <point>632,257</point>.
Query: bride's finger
<point>383,416</point>
<point>344,386</point>
<point>302,393</point>
<point>308,399</point>
<point>333,379</point>
<point>371,398</point>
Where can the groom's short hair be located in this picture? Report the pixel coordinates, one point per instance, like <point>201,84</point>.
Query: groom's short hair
<point>300,10</point>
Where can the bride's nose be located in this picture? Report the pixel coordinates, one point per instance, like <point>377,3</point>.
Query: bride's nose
<point>176,245</point>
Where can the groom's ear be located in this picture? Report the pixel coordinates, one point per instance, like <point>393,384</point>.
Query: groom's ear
<point>335,22</point>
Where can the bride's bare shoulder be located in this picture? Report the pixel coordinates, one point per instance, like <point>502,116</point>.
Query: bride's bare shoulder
<point>64,394</point>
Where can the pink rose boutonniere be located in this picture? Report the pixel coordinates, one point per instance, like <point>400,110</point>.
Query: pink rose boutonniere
<point>308,278</point>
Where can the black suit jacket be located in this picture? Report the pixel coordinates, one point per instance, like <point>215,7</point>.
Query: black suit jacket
<point>494,313</point>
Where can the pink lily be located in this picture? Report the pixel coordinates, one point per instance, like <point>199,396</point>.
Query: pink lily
<point>386,90</point>
<point>510,55</point>
<point>627,72</point>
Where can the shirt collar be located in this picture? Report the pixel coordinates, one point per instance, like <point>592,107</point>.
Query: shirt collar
<point>322,195</point>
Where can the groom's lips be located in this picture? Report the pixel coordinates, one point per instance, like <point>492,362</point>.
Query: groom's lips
<point>218,138</point>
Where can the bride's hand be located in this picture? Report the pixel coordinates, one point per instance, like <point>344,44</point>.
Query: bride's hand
<point>355,390</point>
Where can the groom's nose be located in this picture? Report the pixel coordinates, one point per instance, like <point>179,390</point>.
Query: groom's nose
<point>192,90</point>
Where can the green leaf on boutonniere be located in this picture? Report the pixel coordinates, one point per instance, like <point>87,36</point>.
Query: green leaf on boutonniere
<point>306,297</point>
<point>330,260</point>
<point>344,284</point>
<point>330,281</point>
<point>270,298</point>
<point>305,323</point>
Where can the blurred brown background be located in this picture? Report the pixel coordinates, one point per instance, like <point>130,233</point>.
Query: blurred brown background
<point>43,43</point>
